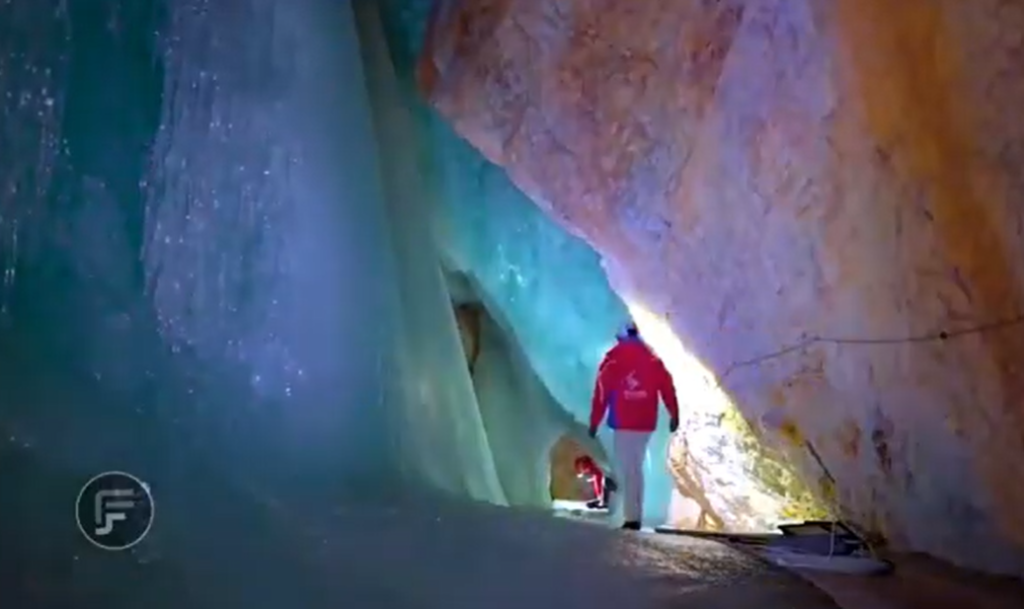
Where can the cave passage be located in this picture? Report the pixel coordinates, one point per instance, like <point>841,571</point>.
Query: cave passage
<point>241,262</point>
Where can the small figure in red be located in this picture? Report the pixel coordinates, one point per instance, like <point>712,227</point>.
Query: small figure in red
<point>603,485</point>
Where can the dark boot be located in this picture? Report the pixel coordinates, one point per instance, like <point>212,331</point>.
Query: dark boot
<point>631,525</point>
<point>594,504</point>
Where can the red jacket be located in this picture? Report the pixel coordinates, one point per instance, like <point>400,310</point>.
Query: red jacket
<point>629,382</point>
<point>586,466</point>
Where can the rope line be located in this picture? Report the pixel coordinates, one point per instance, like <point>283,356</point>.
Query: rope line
<point>939,336</point>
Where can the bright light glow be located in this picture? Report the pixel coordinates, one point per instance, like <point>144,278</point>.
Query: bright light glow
<point>716,466</point>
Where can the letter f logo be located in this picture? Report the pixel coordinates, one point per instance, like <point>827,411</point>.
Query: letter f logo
<point>114,510</point>
<point>111,507</point>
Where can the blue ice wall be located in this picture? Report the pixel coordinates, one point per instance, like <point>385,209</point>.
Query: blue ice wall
<point>208,282</point>
<point>198,229</point>
<point>522,419</point>
<point>437,393</point>
<point>504,415</point>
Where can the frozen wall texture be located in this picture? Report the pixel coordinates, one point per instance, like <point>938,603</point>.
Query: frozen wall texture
<point>823,200</point>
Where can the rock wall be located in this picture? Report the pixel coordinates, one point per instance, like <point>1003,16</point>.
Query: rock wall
<point>823,197</point>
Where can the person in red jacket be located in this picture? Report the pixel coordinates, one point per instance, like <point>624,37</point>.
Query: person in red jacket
<point>603,485</point>
<point>629,382</point>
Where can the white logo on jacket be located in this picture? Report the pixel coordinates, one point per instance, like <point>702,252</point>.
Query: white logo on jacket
<point>633,390</point>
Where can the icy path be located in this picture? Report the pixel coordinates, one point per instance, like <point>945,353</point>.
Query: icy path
<point>265,554</point>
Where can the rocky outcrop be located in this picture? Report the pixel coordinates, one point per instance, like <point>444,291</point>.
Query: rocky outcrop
<point>693,508</point>
<point>822,198</point>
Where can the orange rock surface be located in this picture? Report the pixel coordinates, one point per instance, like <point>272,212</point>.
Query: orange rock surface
<point>824,197</point>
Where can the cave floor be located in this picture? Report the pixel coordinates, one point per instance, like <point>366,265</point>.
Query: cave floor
<point>921,583</point>
<point>246,550</point>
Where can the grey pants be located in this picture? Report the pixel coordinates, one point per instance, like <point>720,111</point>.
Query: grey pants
<point>630,454</point>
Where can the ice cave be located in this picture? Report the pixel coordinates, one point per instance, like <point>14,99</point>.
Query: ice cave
<point>334,277</point>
